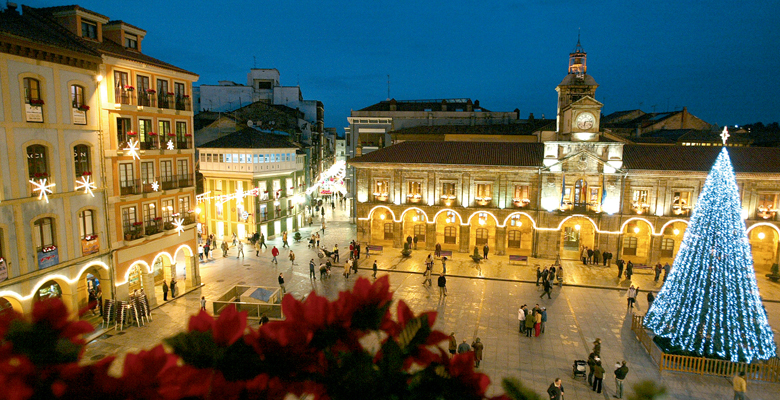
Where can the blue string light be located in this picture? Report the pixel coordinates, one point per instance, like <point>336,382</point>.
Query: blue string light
<point>709,304</point>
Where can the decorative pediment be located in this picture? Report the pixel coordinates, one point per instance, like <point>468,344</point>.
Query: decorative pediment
<point>584,157</point>
<point>586,101</point>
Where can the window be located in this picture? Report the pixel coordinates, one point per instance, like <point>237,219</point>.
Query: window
<point>227,158</point>
<point>450,235</point>
<point>639,202</point>
<point>629,246</point>
<point>419,231</point>
<point>126,178</point>
<point>178,89</point>
<point>147,174</point>
<point>162,94</point>
<point>164,130</point>
<point>131,41</point>
<point>77,96</point>
<point>483,196</point>
<point>290,186</point>
<point>681,203</point>
<point>667,247</point>
<point>414,193</point>
<point>166,174</point>
<point>86,223</point>
<point>144,97</point>
<point>129,218</point>
<point>146,136</point>
<point>32,91</point>
<point>184,205</point>
<point>123,127</point>
<point>122,88</point>
<point>520,198</point>
<point>221,158</point>
<point>150,213</point>
<point>37,165</point>
<point>88,29</point>
<point>182,167</point>
<point>381,189</point>
<point>81,160</point>
<point>43,233</point>
<point>181,135</point>
<point>448,192</point>
<point>482,236</point>
<point>167,210</point>
<point>513,239</point>
<point>767,205</point>
<point>241,158</point>
<point>388,231</point>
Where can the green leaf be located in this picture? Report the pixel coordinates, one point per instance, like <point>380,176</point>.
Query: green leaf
<point>196,348</point>
<point>414,334</point>
<point>517,391</point>
<point>648,390</point>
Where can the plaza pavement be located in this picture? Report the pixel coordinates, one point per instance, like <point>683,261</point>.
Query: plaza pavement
<point>482,301</point>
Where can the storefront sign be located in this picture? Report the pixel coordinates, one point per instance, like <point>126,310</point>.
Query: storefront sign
<point>3,271</point>
<point>34,113</point>
<point>79,117</point>
<point>48,259</point>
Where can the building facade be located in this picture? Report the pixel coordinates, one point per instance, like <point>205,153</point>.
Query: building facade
<point>253,182</point>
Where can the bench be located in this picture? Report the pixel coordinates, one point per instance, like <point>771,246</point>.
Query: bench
<point>370,248</point>
<point>518,258</point>
<point>445,253</point>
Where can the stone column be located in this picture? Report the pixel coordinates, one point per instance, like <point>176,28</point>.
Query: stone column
<point>500,240</point>
<point>465,238</point>
<point>430,236</point>
<point>398,234</point>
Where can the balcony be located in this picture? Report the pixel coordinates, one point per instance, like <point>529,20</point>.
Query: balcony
<point>184,181</point>
<point>183,103</point>
<point>151,143</point>
<point>147,99</point>
<point>520,203</point>
<point>153,227</point>
<point>165,100</point>
<point>190,218</point>
<point>413,198</point>
<point>133,231</point>
<point>90,245</point>
<point>448,199</point>
<point>176,181</point>
<point>129,187</point>
<point>483,201</point>
<point>184,142</point>
<point>124,96</point>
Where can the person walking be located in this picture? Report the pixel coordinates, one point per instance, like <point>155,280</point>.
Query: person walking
<point>547,288</point>
<point>262,241</point>
<point>291,256</point>
<point>521,318</point>
<point>584,255</point>
<point>203,303</point>
<point>591,365</point>
<point>318,239</point>
<point>284,240</point>
<point>597,347</point>
<point>650,299</point>
<point>444,265</point>
<point>629,270</point>
<point>281,283</point>
<point>415,239</point>
<point>538,275</point>
<point>551,278</point>
<point>165,291</point>
<point>257,248</point>
<point>225,248</point>
<point>555,391</point>
<point>207,249</point>
<point>530,320</point>
<point>545,274</point>
<point>478,347</point>
<point>442,282</point>
<point>619,264</point>
<point>336,252</point>
<point>667,269</point>
<point>453,343</point>
<point>620,376</point>
<point>590,256</point>
<point>598,377</point>
<point>544,318</point>
<point>374,268</point>
<point>437,250</point>
<point>312,275</point>
<point>275,253</point>
<point>658,269</point>
<point>357,250</point>
<point>464,347</point>
<point>485,251</point>
<point>347,269</point>
<point>427,276</point>
<point>173,288</point>
<point>631,297</point>
<point>560,276</point>
<point>740,386</point>
<point>240,249</point>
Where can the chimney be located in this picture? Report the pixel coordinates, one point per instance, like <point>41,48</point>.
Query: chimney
<point>444,105</point>
<point>682,117</point>
<point>393,105</point>
<point>517,114</point>
<point>11,8</point>
<point>469,105</point>
<point>531,117</point>
<point>476,103</point>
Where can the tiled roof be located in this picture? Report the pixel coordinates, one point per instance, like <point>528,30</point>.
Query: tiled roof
<point>458,153</point>
<point>572,79</point>
<point>41,31</point>
<point>493,129</point>
<point>120,22</point>
<point>699,158</point>
<point>422,105</point>
<point>249,138</point>
<point>74,7</point>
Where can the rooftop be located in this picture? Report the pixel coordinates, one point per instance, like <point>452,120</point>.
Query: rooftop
<point>250,138</point>
<point>426,105</point>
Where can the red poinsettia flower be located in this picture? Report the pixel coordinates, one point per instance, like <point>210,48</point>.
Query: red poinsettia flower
<point>461,367</point>
<point>52,312</point>
<point>151,374</point>
<point>227,329</point>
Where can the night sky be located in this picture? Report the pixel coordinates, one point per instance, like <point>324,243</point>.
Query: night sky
<point>719,58</point>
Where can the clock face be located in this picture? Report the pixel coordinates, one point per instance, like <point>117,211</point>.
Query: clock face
<point>585,120</point>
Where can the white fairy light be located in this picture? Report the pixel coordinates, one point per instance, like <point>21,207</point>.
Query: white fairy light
<point>170,145</point>
<point>178,224</point>
<point>155,186</point>
<point>86,185</point>
<point>133,146</point>
<point>42,188</point>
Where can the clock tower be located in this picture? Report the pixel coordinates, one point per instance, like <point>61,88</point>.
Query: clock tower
<point>578,111</point>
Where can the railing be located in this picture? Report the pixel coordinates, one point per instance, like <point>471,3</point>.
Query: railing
<point>168,182</point>
<point>183,103</point>
<point>122,96</point>
<point>176,181</point>
<point>132,186</point>
<point>150,143</point>
<point>183,143</point>
<point>165,101</point>
<point>152,227</point>
<point>184,180</point>
<point>147,187</point>
<point>767,371</point>
<point>147,99</point>
<point>190,218</point>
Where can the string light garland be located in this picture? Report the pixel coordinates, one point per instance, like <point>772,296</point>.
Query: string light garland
<point>709,304</point>
<point>331,180</point>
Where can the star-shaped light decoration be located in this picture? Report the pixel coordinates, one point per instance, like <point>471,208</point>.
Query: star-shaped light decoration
<point>178,224</point>
<point>42,188</point>
<point>155,186</point>
<point>725,135</point>
<point>170,145</point>
<point>86,184</point>
<point>132,148</point>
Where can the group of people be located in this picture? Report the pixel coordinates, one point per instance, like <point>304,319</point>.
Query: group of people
<point>476,346</point>
<point>591,256</point>
<point>547,277</point>
<point>596,371</point>
<point>532,321</point>
<point>204,250</point>
<point>172,288</point>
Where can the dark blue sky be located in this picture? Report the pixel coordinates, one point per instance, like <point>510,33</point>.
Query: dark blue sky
<point>719,58</point>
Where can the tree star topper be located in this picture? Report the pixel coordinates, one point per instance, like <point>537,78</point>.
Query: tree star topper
<point>85,184</point>
<point>42,188</point>
<point>132,148</point>
<point>155,186</point>
<point>725,135</point>
<point>170,145</point>
<point>178,224</point>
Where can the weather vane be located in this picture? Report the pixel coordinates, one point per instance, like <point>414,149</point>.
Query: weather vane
<point>725,135</point>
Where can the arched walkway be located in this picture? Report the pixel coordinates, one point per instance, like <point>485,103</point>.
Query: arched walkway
<point>670,240</point>
<point>636,241</point>
<point>56,288</point>
<point>519,235</point>
<point>382,227</point>
<point>93,278</point>
<point>8,302</point>
<point>576,234</point>
<point>448,230</point>
<point>482,231</point>
<point>764,246</point>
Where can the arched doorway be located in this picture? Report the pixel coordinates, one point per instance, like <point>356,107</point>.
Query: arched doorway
<point>482,228</point>
<point>670,241</point>
<point>184,265</point>
<point>635,246</point>
<point>94,279</point>
<point>764,246</point>
<point>414,225</point>
<point>10,303</point>
<point>576,234</point>
<point>447,230</point>
<point>382,228</point>
<point>519,235</point>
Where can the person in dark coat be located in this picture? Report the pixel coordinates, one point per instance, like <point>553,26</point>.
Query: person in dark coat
<point>650,299</point>
<point>547,288</point>
<point>591,364</point>
<point>538,275</point>
<point>485,251</point>
<point>453,343</point>
<point>442,282</point>
<point>598,377</point>
<point>667,269</point>
<point>165,291</point>
<point>173,287</point>
<point>437,251</point>
<point>415,241</point>
<point>629,269</point>
<point>605,257</point>
<point>409,241</point>
<point>590,256</point>
<point>596,256</point>
<point>545,273</point>
<point>619,264</point>
<point>555,390</point>
<point>464,347</point>
<point>477,346</point>
<point>658,269</point>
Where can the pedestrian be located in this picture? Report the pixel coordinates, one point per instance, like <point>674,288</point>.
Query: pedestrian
<point>538,274</point>
<point>374,268</point>
<point>225,249</point>
<point>415,241</point>
<point>200,252</point>
<point>437,250</point>
<point>650,299</point>
<point>347,269</point>
<point>207,249</point>
<point>281,283</point>
<point>619,264</point>
<point>538,323</point>
<point>165,291</point>
<point>547,287</point>
<point>318,239</point>
<point>99,298</point>
<point>310,221</point>
<point>596,256</point>
<point>284,240</point>
<point>427,276</point>
<point>352,248</point>
<point>409,241</point>
<point>357,250</point>
<point>291,256</point>
<point>609,260</point>
<point>629,270</point>
<point>442,282</point>
<point>235,239</point>
<point>590,256</point>
<point>485,250</point>
<point>263,319</point>
<point>598,377</point>
<point>173,288</point>
<point>551,278</point>
<point>257,248</point>
<point>336,252</point>
<point>620,375</point>
<point>323,271</point>
<point>597,347</point>
<point>544,318</point>
<point>530,320</point>
<point>667,269</point>
<point>275,253</point>
<point>591,365</point>
<point>521,318</point>
<point>240,249</point>
<point>555,391</point>
<point>477,346</point>
<point>312,275</point>
<point>262,241</point>
<point>464,347</point>
<point>631,297</point>
<point>740,386</point>
<point>453,343</point>
<point>658,269</point>
<point>92,300</point>
<point>545,273</point>
<point>203,303</point>
<point>444,265</point>
<point>584,255</point>
<point>560,276</point>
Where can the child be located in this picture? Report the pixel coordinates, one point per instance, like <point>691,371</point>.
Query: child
<point>203,303</point>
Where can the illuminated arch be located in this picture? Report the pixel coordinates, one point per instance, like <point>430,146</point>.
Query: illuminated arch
<point>16,303</point>
<point>763,224</point>
<point>447,210</point>
<point>185,247</point>
<point>560,226</point>
<point>130,268</point>
<point>663,228</point>
<point>160,255</point>
<point>371,213</point>
<point>54,277</point>
<point>652,228</point>
<point>468,222</point>
<point>533,222</point>
<point>414,208</point>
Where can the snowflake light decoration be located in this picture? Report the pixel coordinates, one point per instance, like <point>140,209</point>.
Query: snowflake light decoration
<point>132,148</point>
<point>155,186</point>
<point>42,188</point>
<point>86,184</point>
<point>170,145</point>
<point>178,224</point>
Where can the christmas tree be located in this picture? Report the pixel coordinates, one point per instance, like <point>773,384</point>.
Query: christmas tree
<point>709,304</point>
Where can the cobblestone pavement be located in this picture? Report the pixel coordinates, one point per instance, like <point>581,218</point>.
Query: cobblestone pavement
<point>482,301</point>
